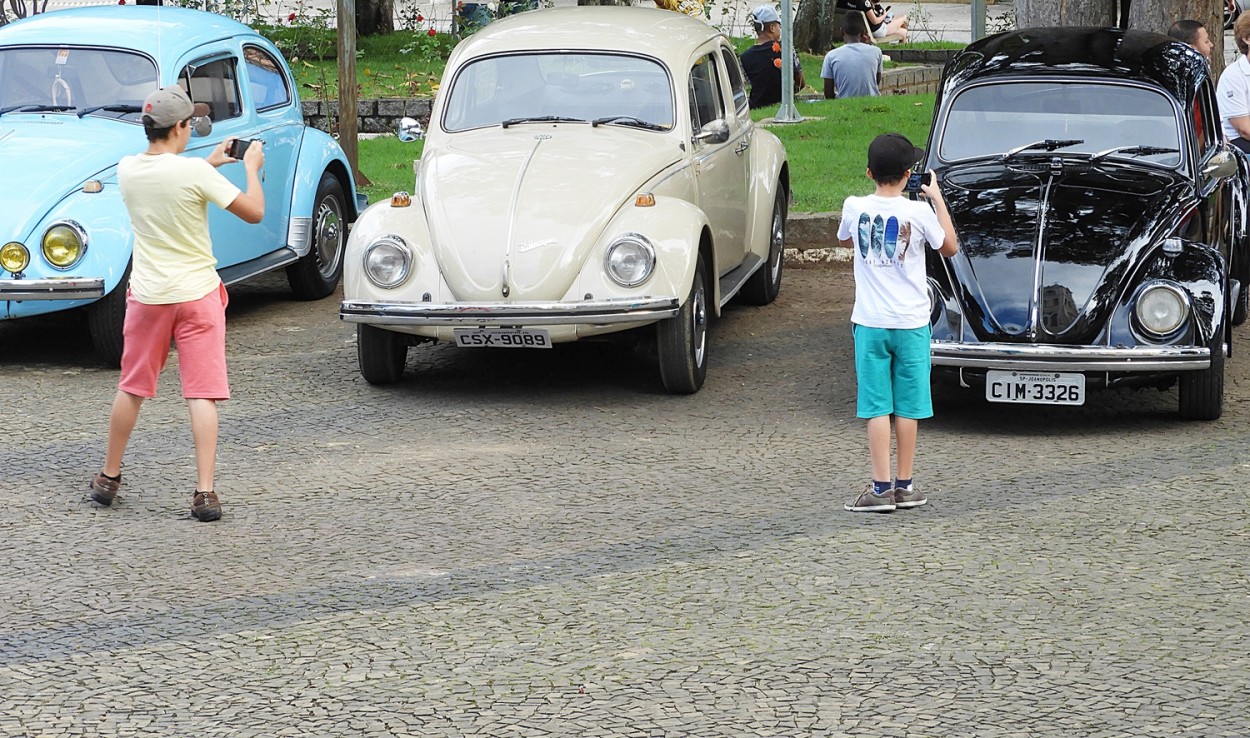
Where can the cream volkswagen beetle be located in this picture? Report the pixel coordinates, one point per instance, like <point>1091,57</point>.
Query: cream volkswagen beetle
<point>587,171</point>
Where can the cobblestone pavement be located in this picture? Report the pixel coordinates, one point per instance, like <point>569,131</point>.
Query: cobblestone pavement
<point>544,544</point>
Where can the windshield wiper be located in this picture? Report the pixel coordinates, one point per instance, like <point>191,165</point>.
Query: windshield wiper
<point>114,108</point>
<point>627,120</point>
<point>1134,151</point>
<point>28,108</point>
<point>542,119</point>
<point>1050,144</point>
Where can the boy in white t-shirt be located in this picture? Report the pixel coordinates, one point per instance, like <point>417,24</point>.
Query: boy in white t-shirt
<point>888,234</point>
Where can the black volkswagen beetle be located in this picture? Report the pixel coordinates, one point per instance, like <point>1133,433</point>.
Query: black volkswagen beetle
<point>1101,219</point>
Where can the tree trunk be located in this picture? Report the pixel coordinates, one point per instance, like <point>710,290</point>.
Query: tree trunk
<point>375,17</point>
<point>1151,15</point>
<point>813,27</point>
<point>1161,14</point>
<point>1035,13</point>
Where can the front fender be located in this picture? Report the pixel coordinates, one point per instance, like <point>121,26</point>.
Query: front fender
<point>675,228</point>
<point>110,242</point>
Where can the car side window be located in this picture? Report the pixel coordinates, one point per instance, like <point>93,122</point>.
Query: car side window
<point>267,83</point>
<point>705,101</point>
<point>214,82</point>
<point>1206,123</point>
<point>737,83</point>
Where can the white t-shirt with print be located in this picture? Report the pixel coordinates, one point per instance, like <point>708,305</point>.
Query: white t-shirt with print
<point>889,236</point>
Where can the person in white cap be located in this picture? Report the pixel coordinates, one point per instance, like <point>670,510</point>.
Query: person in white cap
<point>762,62</point>
<point>175,293</point>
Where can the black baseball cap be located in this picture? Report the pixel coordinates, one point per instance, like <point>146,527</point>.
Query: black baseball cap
<point>890,155</point>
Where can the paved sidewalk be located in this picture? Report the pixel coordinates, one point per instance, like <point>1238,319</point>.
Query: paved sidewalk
<point>541,544</point>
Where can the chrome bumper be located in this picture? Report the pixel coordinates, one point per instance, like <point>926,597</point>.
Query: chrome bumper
<point>71,288</point>
<point>1069,358</point>
<point>592,312</point>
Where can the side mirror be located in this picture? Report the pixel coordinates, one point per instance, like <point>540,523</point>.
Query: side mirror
<point>201,125</point>
<point>410,130</point>
<point>1221,165</point>
<point>715,132</point>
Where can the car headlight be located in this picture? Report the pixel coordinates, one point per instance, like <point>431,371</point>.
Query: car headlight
<point>630,260</point>
<point>1161,308</point>
<point>64,244</point>
<point>14,257</point>
<point>388,260</point>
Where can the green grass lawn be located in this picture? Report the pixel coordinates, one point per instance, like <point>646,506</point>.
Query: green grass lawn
<point>827,156</point>
<point>410,64</point>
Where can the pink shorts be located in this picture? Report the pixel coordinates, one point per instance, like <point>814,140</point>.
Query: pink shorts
<point>197,328</point>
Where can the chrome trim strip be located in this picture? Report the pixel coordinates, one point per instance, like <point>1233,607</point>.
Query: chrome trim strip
<point>1069,358</point>
<point>73,288</point>
<point>594,312</point>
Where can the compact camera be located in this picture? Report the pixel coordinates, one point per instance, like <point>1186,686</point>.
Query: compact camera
<point>239,146</point>
<point>916,181</point>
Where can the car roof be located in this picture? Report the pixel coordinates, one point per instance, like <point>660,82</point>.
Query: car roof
<point>1131,55</point>
<point>154,30</point>
<point>664,34</point>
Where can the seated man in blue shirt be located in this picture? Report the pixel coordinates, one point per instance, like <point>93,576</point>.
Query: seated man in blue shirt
<point>853,69</point>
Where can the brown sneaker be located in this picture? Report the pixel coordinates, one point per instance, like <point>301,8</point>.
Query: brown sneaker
<point>905,497</point>
<point>205,506</point>
<point>103,489</point>
<point>869,501</point>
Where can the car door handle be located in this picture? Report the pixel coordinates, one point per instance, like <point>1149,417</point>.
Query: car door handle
<point>742,146</point>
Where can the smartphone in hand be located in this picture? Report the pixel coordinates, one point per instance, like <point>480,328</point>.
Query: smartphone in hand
<point>916,181</point>
<point>238,147</point>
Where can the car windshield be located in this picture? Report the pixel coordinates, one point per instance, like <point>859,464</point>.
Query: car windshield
<point>611,89</point>
<point>72,79</point>
<point>989,120</point>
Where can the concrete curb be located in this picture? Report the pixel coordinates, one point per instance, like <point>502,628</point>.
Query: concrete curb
<point>813,238</point>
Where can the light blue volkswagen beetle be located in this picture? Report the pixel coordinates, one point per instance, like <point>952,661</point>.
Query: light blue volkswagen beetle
<point>71,83</point>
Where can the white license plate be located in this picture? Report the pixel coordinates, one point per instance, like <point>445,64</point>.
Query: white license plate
<point>1036,388</point>
<point>502,338</point>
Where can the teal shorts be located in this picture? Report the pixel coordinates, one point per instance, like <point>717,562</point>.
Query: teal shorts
<point>892,370</point>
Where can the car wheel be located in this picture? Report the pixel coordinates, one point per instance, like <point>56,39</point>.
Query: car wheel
<point>1202,392</point>
<point>105,320</point>
<point>381,354</point>
<point>317,273</point>
<point>763,286</point>
<point>682,340</point>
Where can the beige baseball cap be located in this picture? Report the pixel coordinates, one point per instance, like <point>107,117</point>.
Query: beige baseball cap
<point>170,105</point>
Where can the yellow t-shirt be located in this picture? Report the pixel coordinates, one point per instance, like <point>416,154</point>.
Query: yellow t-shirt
<point>167,196</point>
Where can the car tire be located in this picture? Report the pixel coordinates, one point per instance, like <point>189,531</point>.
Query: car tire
<point>763,286</point>
<point>681,341</point>
<point>381,354</point>
<point>317,273</point>
<point>106,318</point>
<point>1243,305</point>
<point>1202,392</point>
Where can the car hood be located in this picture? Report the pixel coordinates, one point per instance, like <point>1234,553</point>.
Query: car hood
<point>45,158</point>
<point>513,213</point>
<point>1045,254</point>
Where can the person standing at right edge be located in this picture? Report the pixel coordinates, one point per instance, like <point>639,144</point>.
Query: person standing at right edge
<point>887,233</point>
<point>175,293</point>
<point>1233,91</point>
